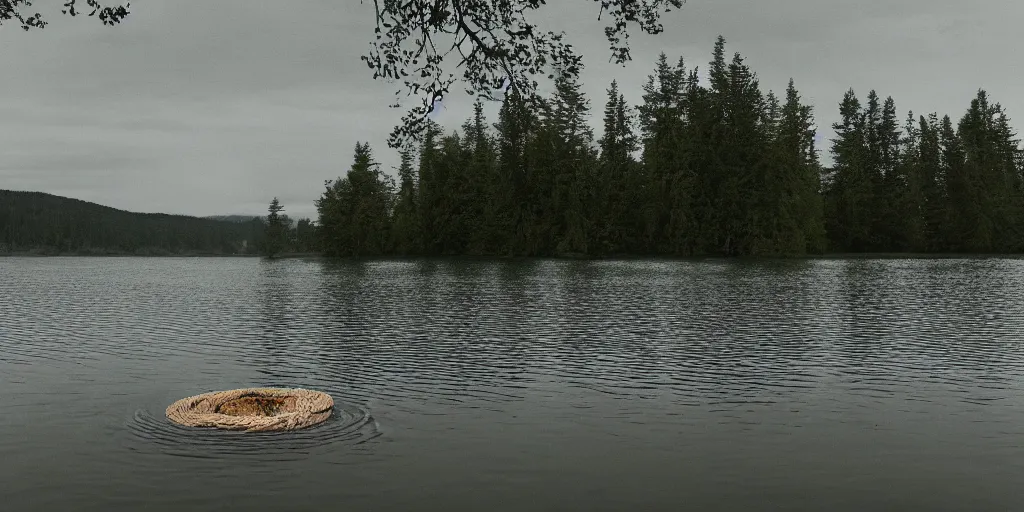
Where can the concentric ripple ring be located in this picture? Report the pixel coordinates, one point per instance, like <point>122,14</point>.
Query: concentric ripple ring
<point>253,409</point>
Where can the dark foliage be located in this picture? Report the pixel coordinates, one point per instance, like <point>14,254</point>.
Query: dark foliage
<point>276,232</point>
<point>723,169</point>
<point>929,187</point>
<point>493,43</point>
<point>18,11</point>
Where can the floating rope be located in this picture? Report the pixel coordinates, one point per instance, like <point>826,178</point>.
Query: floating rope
<point>253,409</point>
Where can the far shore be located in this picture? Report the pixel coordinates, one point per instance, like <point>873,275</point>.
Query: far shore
<point>36,254</point>
<point>566,257</point>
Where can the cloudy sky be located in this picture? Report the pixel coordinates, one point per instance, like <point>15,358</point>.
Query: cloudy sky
<point>215,106</point>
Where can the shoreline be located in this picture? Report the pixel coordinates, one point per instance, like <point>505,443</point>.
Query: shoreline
<point>615,257</point>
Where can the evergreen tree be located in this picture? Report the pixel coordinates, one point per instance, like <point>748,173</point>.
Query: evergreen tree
<point>891,184</point>
<point>666,193</point>
<point>799,218</point>
<point>355,210</point>
<point>431,190</point>
<point>851,185</point>
<point>958,187</point>
<point>479,183</point>
<point>931,180</point>
<point>988,181</point>
<point>616,221</point>
<point>406,230</point>
<point>741,155</point>
<point>569,166</point>
<point>514,199</point>
<point>910,222</point>
<point>276,230</point>
<point>305,236</point>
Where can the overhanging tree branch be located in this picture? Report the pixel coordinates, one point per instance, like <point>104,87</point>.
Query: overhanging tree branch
<point>508,50</point>
<point>13,10</point>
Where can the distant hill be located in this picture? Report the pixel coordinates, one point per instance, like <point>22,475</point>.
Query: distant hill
<point>232,218</point>
<point>40,223</point>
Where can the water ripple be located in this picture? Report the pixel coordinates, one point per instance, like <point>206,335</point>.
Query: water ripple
<point>346,427</point>
<point>716,363</point>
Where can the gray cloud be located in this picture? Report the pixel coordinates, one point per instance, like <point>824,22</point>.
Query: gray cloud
<point>206,107</point>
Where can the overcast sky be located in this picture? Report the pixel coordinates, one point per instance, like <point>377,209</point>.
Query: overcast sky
<point>215,106</point>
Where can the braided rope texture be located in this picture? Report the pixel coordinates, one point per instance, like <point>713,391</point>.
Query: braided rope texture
<point>253,409</point>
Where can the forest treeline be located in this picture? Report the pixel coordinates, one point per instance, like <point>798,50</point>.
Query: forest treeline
<point>722,169</point>
<point>39,223</point>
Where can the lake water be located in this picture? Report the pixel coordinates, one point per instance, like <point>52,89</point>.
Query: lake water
<point>538,385</point>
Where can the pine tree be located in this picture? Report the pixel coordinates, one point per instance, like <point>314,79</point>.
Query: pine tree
<point>431,189</point>
<point>479,183</point>
<point>305,236</point>
<point>931,179</point>
<point>741,151</point>
<point>514,199</point>
<point>355,211</point>
<point>989,182</point>
<point>616,221</point>
<point>890,185</point>
<point>851,184</point>
<point>958,188</point>
<point>570,167</point>
<point>667,214</point>
<point>276,230</point>
<point>406,231</point>
<point>800,221</point>
<point>448,213</point>
<point>910,223</point>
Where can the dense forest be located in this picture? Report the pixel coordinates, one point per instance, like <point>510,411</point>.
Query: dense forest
<point>712,168</point>
<point>718,169</point>
<point>38,223</point>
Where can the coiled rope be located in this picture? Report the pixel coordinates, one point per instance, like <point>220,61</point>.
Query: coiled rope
<point>253,409</point>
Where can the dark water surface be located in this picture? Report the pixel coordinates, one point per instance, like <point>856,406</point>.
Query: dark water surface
<point>809,385</point>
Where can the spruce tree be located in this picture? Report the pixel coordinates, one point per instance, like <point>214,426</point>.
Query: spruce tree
<point>514,199</point>
<point>406,230</point>
<point>931,179</point>
<point>851,185</point>
<point>958,188</point>
<point>616,220</point>
<point>910,223</point>
<point>801,216</point>
<point>276,230</point>
<point>355,211</point>
<point>741,153</point>
<point>431,189</point>
<point>478,184</point>
<point>570,168</point>
<point>891,185</point>
<point>665,196</point>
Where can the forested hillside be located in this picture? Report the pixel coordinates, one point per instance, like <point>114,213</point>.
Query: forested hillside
<point>47,224</point>
<point>716,169</point>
